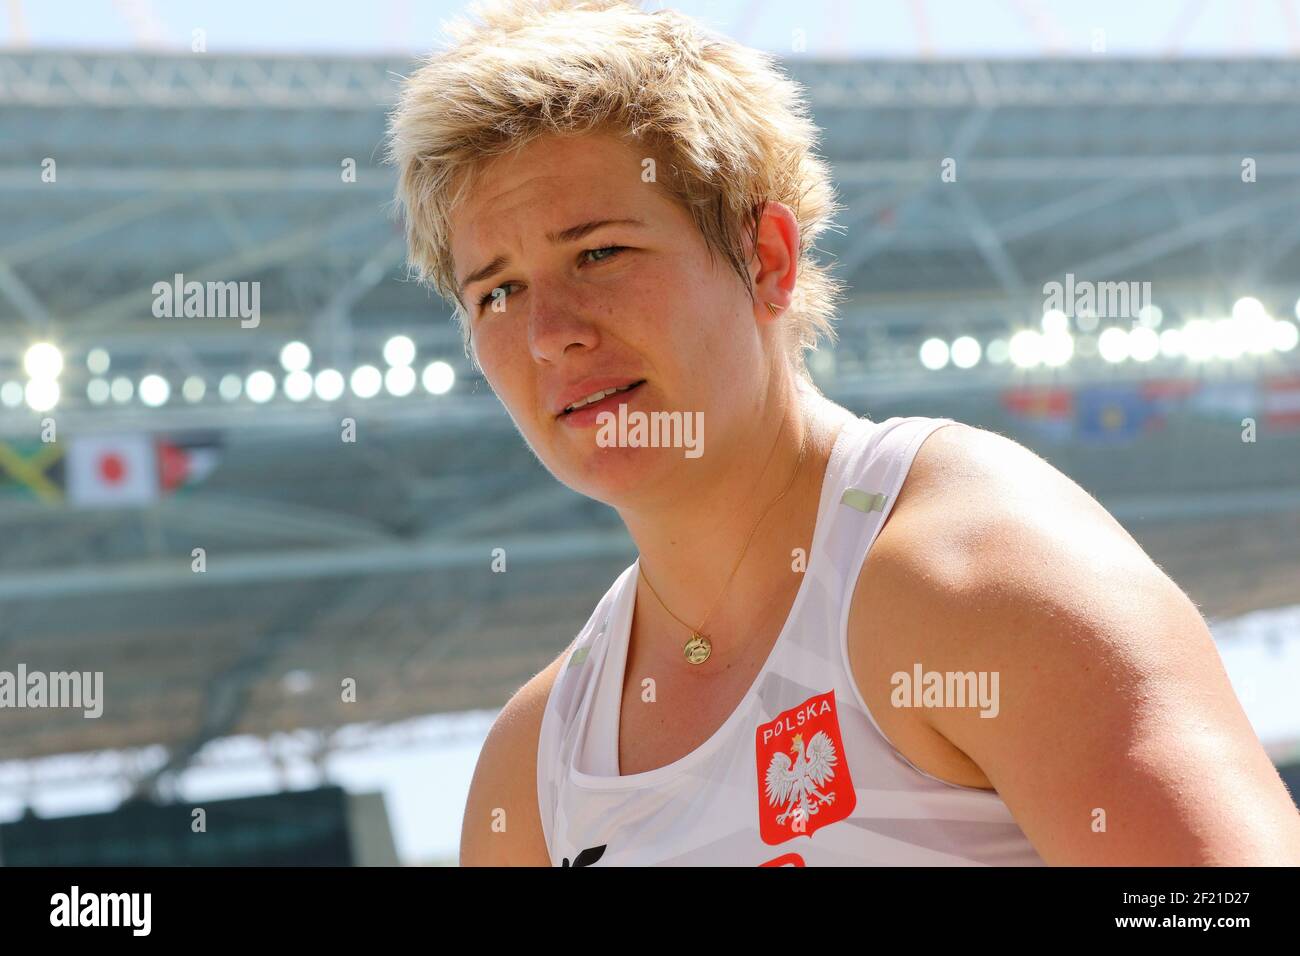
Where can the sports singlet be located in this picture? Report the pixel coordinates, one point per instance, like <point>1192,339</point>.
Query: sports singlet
<point>800,773</point>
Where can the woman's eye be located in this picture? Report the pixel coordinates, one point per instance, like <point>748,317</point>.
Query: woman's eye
<point>613,249</point>
<point>487,298</point>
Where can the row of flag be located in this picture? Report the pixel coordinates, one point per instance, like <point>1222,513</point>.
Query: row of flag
<point>1119,413</point>
<point>131,470</point>
<point>107,471</point>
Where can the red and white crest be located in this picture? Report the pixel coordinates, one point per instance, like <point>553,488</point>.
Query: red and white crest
<point>803,776</point>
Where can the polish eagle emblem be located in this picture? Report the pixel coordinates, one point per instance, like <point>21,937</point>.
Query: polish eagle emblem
<point>794,786</point>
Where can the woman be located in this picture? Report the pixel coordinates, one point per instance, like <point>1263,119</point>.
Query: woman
<point>844,642</point>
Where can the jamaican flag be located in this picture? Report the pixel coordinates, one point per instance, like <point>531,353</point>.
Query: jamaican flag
<point>32,469</point>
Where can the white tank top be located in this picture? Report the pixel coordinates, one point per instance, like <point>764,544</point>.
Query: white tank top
<point>800,773</point>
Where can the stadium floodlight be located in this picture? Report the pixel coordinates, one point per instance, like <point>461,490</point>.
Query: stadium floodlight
<point>329,384</point>
<point>42,394</point>
<point>438,378</point>
<point>965,352</point>
<point>298,385</point>
<point>1112,344</point>
<point>295,357</point>
<point>1257,336</point>
<point>97,391</point>
<point>43,360</point>
<point>934,354</point>
<point>1252,329</point>
<point>1198,340</point>
<point>400,380</point>
<point>366,381</point>
<point>1054,320</point>
<point>154,390</point>
<point>230,387</point>
<point>122,389</point>
<point>193,389</point>
<point>1026,348</point>
<point>259,386</point>
<point>998,352</point>
<point>1285,335</point>
<point>297,682</point>
<point>1171,343</point>
<point>97,361</point>
<point>1247,307</point>
<point>1226,336</point>
<point>1249,330</point>
<point>1058,348</point>
<point>399,350</point>
<point>11,394</point>
<point>1150,316</point>
<point>1143,343</point>
<point>1297,308</point>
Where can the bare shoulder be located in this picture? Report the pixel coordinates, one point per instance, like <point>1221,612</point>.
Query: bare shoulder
<point>954,520</point>
<point>1116,737</point>
<point>502,825</point>
<point>985,540</point>
<point>972,477</point>
<point>985,505</point>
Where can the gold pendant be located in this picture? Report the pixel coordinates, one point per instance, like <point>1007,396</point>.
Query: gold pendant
<point>698,649</point>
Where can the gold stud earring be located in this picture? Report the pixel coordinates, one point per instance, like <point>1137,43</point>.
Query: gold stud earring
<point>773,309</point>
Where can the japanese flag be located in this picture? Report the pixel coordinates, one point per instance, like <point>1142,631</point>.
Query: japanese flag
<point>112,471</point>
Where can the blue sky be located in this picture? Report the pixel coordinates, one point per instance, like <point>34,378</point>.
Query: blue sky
<point>893,28</point>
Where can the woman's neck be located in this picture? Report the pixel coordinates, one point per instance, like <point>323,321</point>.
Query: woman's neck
<point>689,550</point>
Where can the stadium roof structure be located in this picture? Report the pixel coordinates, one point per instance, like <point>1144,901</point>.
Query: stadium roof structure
<point>372,560</point>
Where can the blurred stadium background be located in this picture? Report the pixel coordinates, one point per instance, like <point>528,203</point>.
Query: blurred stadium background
<point>329,561</point>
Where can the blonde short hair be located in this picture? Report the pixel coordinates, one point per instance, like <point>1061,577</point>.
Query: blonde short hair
<point>732,130</point>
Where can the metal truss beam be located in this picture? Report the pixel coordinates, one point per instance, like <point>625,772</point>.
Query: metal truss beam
<point>75,78</point>
<point>222,81</point>
<point>226,695</point>
<point>275,251</point>
<point>873,242</point>
<point>989,245</point>
<point>191,180</point>
<point>1186,234</point>
<point>297,565</point>
<point>257,519</point>
<point>1055,169</point>
<point>22,298</point>
<point>1095,81</point>
<point>516,513</point>
<point>377,561</point>
<point>1084,200</point>
<point>23,778</point>
<point>100,221</point>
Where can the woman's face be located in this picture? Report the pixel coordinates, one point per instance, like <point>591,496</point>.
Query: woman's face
<point>637,299</point>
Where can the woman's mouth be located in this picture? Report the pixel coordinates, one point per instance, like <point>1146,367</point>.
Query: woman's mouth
<point>584,416</point>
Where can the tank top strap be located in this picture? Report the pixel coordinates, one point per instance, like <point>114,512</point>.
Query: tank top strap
<point>870,475</point>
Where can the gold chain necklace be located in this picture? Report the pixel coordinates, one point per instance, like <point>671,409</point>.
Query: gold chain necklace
<point>698,648</point>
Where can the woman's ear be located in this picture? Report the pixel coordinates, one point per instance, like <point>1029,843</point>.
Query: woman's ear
<point>774,265</point>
